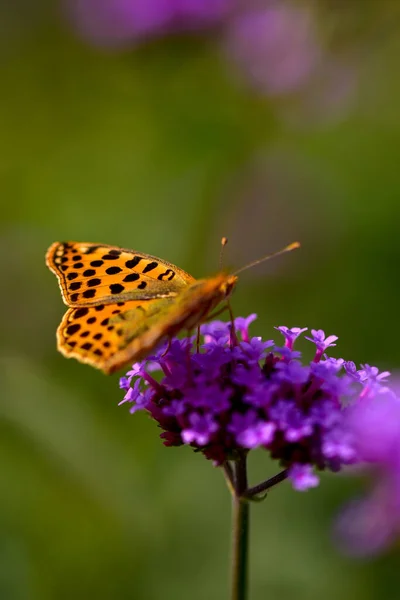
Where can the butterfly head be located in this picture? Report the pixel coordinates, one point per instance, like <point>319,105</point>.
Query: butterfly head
<point>227,285</point>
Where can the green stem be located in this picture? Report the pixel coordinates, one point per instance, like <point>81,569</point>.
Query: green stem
<point>240,532</point>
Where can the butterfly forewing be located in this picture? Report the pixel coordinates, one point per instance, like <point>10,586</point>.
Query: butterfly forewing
<point>90,274</point>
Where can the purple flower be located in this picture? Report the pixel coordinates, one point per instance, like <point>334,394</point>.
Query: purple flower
<point>291,334</point>
<point>116,23</point>
<point>255,349</point>
<point>321,342</point>
<point>372,523</point>
<point>242,325</point>
<point>250,431</point>
<point>351,370</point>
<point>291,420</point>
<point>372,379</point>
<point>216,331</point>
<point>302,477</point>
<point>238,392</point>
<point>276,47</point>
<point>200,429</point>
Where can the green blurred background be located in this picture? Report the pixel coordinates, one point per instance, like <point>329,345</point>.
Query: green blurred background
<point>164,146</point>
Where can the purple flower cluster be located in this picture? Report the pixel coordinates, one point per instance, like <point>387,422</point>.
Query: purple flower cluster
<point>236,392</point>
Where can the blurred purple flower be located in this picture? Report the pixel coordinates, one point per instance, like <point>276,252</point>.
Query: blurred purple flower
<point>276,46</point>
<point>273,45</point>
<point>372,523</point>
<point>239,392</point>
<point>123,22</point>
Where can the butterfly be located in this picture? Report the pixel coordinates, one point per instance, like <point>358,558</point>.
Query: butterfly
<point>123,303</point>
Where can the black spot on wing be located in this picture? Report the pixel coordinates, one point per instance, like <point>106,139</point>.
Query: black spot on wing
<point>71,329</point>
<point>116,288</point>
<point>110,256</point>
<point>81,312</point>
<point>94,282</point>
<point>150,266</point>
<point>97,263</point>
<point>89,293</point>
<point>89,273</point>
<point>142,285</point>
<point>167,275</point>
<point>86,346</point>
<point>133,262</point>
<point>113,270</point>
<point>131,277</point>
<point>90,249</point>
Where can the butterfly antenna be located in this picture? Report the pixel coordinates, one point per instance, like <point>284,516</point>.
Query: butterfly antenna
<point>224,242</point>
<point>288,248</point>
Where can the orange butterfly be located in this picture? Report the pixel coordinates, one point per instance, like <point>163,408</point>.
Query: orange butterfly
<point>122,303</point>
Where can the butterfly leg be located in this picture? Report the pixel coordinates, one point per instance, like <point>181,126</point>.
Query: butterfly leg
<point>188,356</point>
<point>198,339</point>
<point>233,337</point>
<point>167,348</point>
<point>216,313</point>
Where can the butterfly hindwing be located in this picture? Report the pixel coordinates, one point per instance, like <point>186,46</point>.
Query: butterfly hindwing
<point>93,334</point>
<point>90,274</point>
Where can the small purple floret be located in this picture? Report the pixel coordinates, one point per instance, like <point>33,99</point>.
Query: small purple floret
<point>302,477</point>
<point>291,334</point>
<point>322,343</point>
